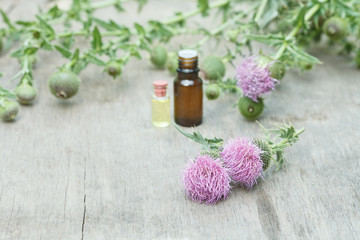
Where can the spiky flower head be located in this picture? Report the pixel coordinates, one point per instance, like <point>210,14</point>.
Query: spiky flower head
<point>242,157</point>
<point>206,180</point>
<point>255,79</point>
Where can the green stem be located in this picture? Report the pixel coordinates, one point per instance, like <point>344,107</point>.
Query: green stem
<point>260,11</point>
<point>292,34</point>
<point>194,12</point>
<point>85,33</point>
<point>104,4</point>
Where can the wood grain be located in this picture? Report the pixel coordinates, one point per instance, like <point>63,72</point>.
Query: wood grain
<point>93,167</point>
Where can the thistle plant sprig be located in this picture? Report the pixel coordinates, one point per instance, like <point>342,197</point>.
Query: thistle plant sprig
<point>285,135</point>
<point>240,161</point>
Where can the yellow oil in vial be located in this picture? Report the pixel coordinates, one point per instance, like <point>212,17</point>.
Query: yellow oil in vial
<point>161,111</point>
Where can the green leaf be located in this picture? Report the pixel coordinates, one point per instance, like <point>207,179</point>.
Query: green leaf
<point>203,5</point>
<point>75,56</point>
<point>6,19</point>
<point>105,25</point>
<point>17,53</point>
<point>268,12</point>
<point>301,54</point>
<point>268,39</point>
<point>95,60</point>
<point>300,19</point>
<point>55,12</point>
<point>97,42</point>
<point>78,66</point>
<point>209,144</point>
<point>25,23</point>
<point>280,160</point>
<point>6,93</point>
<point>45,44</point>
<point>119,7</point>
<point>141,4</point>
<point>139,29</point>
<point>63,51</point>
<point>30,50</point>
<point>49,30</point>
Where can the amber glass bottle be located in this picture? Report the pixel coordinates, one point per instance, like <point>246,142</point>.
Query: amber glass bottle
<point>188,93</point>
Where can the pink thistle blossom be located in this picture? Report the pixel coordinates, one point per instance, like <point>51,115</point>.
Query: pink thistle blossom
<point>253,79</point>
<point>242,157</point>
<point>206,180</point>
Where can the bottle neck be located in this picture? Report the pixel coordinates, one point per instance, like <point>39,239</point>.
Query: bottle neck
<point>191,75</point>
<point>188,68</point>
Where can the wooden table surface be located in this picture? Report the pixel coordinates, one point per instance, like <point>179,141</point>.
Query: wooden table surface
<point>93,167</point>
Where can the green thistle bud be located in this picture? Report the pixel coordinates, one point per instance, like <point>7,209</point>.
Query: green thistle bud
<point>232,35</point>
<point>172,63</point>
<point>276,68</point>
<point>114,69</point>
<point>159,56</point>
<point>64,84</point>
<point>249,109</point>
<point>213,67</point>
<point>36,34</point>
<point>266,155</point>
<point>9,110</point>
<point>336,28</point>
<point>212,91</point>
<point>25,93</point>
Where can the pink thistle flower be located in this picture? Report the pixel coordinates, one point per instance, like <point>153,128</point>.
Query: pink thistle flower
<point>242,157</point>
<point>206,180</point>
<point>254,80</point>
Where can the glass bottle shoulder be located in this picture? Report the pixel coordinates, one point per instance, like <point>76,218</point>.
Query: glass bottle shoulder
<point>164,98</point>
<point>187,81</point>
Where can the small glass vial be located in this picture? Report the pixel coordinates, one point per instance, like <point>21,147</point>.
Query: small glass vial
<point>160,105</point>
<point>188,92</point>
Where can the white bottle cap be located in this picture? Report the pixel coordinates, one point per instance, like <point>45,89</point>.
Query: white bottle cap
<point>187,53</point>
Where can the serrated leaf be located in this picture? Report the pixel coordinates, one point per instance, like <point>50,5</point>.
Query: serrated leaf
<point>300,19</point>
<point>119,7</point>
<point>139,29</point>
<point>268,13</point>
<point>97,41</point>
<point>55,12</point>
<point>95,60</point>
<point>78,66</point>
<point>75,56</point>
<point>301,54</point>
<point>45,44</point>
<point>6,93</point>
<point>103,24</point>
<point>141,4</point>
<point>63,51</point>
<point>268,39</point>
<point>6,19</point>
<point>17,53</point>
<point>25,23</point>
<point>50,31</point>
<point>30,50</point>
